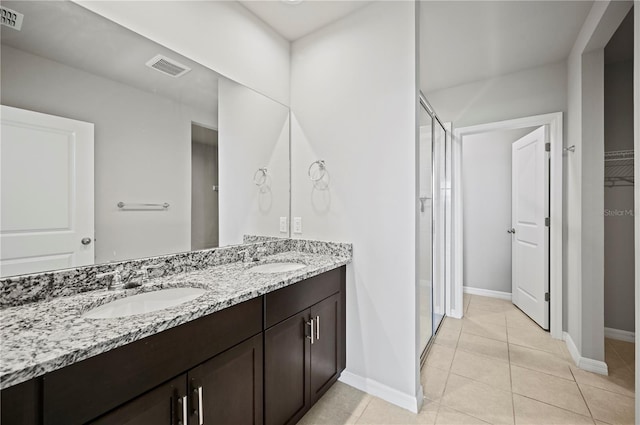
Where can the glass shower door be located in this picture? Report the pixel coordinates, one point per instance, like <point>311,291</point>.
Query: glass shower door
<point>425,226</point>
<point>440,194</point>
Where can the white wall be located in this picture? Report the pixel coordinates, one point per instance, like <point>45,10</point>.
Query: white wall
<point>618,201</point>
<point>584,310</point>
<point>486,186</point>
<point>531,92</point>
<point>253,133</point>
<point>142,150</point>
<point>222,35</point>
<point>353,96</point>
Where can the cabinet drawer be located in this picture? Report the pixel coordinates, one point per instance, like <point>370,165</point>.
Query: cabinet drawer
<point>82,391</point>
<point>288,301</point>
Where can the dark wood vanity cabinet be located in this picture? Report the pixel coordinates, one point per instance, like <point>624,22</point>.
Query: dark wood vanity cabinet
<point>162,406</point>
<point>247,364</point>
<point>82,392</point>
<point>22,403</point>
<point>286,362</point>
<point>326,350</point>
<point>226,389</point>
<point>304,353</point>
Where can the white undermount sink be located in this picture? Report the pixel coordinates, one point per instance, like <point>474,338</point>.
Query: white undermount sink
<point>277,267</point>
<point>144,303</point>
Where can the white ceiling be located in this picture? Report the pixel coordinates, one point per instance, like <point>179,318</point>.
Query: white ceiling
<point>466,41</point>
<point>460,41</point>
<point>296,19</point>
<point>70,34</point>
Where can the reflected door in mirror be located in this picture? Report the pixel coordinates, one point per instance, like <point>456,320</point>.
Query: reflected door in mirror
<point>46,192</point>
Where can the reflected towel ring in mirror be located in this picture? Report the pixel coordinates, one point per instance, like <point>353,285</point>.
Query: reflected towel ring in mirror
<point>260,176</point>
<point>320,170</point>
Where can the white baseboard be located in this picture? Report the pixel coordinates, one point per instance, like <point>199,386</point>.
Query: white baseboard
<point>620,335</point>
<point>487,293</point>
<point>369,386</point>
<point>455,313</point>
<point>590,365</point>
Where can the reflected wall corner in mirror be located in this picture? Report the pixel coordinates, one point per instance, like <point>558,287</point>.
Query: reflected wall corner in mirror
<point>104,116</point>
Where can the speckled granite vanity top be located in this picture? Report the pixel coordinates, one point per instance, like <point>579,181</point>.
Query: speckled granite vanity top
<point>43,336</point>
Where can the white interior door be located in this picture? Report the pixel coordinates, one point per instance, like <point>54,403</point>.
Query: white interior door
<point>46,192</point>
<point>530,235</point>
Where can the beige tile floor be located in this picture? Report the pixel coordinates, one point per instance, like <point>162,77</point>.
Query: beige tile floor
<point>496,366</point>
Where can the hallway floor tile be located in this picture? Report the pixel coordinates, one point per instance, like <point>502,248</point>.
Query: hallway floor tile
<point>497,366</point>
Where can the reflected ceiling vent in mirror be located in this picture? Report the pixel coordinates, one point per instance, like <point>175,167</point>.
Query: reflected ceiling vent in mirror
<point>168,66</point>
<point>11,18</point>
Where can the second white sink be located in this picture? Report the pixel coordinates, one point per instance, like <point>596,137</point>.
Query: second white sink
<point>144,303</point>
<point>277,267</point>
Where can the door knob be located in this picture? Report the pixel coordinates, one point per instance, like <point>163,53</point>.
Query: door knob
<point>512,230</point>
<point>86,241</point>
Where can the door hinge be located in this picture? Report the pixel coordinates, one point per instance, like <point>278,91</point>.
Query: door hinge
<point>547,297</point>
<point>547,221</point>
<point>547,147</point>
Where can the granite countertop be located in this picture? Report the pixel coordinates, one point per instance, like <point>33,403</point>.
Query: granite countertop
<point>45,336</point>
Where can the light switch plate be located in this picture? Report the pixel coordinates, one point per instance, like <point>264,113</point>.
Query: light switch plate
<point>297,224</point>
<point>283,224</point>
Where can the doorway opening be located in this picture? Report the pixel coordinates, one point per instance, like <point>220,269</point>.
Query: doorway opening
<point>506,132</point>
<point>204,187</point>
<point>498,183</point>
<point>619,240</point>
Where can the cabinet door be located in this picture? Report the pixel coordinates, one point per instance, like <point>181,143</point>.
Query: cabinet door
<point>21,403</point>
<point>162,405</point>
<point>325,350</point>
<point>287,357</point>
<point>228,388</point>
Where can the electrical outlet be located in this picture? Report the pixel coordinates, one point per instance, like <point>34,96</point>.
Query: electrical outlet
<point>297,224</point>
<point>283,224</point>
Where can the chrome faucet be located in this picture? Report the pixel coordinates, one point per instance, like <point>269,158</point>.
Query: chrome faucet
<point>260,252</point>
<point>144,271</point>
<point>244,255</point>
<point>115,282</point>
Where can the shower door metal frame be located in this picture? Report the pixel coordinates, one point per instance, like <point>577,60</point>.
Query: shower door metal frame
<point>424,103</point>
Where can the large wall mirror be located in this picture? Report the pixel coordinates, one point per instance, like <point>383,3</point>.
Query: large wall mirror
<point>114,147</point>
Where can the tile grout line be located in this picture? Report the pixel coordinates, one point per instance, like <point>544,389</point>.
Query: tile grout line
<point>365,408</point>
<point>558,407</point>
<point>446,382</point>
<point>607,390</point>
<point>613,347</point>
<point>513,402</point>
<point>544,373</point>
<point>466,377</point>
<point>463,413</point>
<point>582,395</point>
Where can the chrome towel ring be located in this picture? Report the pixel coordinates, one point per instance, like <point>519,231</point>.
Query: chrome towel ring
<point>321,170</point>
<point>260,176</point>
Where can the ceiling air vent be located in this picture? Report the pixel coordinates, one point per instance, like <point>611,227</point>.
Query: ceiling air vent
<point>168,66</point>
<point>11,18</point>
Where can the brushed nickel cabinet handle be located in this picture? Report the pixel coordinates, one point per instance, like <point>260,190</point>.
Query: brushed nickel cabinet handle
<point>200,408</point>
<point>183,401</point>
<point>311,325</point>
